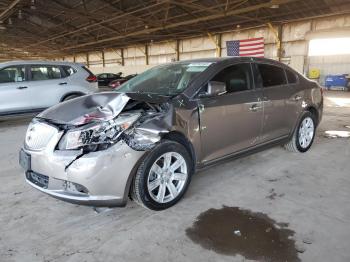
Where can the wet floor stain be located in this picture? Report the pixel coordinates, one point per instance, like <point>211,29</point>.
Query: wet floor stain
<point>233,231</point>
<point>272,194</point>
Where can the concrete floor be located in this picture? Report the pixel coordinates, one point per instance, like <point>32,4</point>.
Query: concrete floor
<point>310,192</point>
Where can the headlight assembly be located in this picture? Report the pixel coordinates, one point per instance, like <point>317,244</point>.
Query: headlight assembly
<point>106,132</point>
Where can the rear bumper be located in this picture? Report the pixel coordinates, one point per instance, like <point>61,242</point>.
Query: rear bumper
<point>320,113</point>
<point>98,178</point>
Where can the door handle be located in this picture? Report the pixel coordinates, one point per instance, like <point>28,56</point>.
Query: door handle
<point>297,98</point>
<point>22,87</point>
<point>62,83</point>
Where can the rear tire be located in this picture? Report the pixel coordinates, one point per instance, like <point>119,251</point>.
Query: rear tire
<point>163,176</point>
<point>303,135</point>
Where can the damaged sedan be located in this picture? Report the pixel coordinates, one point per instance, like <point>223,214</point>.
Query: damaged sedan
<point>147,139</point>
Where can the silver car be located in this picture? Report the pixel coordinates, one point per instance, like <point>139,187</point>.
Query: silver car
<point>148,138</point>
<point>32,86</point>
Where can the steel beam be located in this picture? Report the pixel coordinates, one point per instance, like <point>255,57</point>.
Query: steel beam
<point>8,9</point>
<point>183,23</point>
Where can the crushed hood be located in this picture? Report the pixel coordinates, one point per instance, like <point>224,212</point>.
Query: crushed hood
<point>98,106</point>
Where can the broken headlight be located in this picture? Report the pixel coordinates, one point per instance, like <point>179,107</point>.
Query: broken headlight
<point>106,132</point>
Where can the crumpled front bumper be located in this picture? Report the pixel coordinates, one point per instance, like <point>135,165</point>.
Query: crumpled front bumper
<point>99,178</point>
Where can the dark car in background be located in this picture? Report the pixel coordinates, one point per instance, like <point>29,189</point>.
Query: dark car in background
<point>148,138</point>
<point>105,78</point>
<point>115,84</point>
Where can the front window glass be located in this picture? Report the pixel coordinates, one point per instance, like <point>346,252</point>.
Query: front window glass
<point>102,76</point>
<point>170,79</point>
<point>235,77</point>
<point>39,72</point>
<point>12,74</point>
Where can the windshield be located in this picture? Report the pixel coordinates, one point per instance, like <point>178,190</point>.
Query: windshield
<point>170,79</point>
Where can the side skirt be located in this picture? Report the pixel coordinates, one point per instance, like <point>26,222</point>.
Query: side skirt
<point>249,151</point>
<point>21,112</point>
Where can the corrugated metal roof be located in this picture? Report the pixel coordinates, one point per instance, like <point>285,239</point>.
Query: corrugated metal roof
<point>62,27</point>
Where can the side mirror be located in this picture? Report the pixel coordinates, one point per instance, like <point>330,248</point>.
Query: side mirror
<point>214,88</point>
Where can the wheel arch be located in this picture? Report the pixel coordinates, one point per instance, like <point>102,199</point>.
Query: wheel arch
<point>71,93</point>
<point>182,139</point>
<point>314,111</point>
<point>175,136</point>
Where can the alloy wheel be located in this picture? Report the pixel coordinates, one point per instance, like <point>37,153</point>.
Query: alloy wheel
<point>167,177</point>
<point>306,132</point>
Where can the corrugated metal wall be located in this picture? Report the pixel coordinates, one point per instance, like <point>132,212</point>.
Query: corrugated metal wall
<point>295,37</point>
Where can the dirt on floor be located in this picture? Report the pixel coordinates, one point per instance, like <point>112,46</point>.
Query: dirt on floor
<point>270,206</point>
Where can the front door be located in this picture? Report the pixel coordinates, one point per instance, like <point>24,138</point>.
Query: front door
<point>14,92</point>
<point>230,122</point>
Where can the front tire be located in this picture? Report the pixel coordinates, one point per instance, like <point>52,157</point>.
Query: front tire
<point>163,176</point>
<point>303,135</point>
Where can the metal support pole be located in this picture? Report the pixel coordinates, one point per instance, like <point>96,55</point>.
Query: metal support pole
<point>122,56</point>
<point>280,38</point>
<point>87,60</point>
<point>177,49</point>
<point>103,58</point>
<point>146,55</point>
<point>218,45</point>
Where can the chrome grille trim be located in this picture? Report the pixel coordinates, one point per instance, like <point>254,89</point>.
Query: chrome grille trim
<point>39,135</point>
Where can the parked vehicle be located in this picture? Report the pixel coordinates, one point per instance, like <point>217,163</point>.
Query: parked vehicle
<point>147,139</point>
<point>32,86</point>
<point>105,78</point>
<point>118,82</point>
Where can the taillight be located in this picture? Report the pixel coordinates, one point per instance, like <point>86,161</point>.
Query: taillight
<point>117,84</point>
<point>91,78</point>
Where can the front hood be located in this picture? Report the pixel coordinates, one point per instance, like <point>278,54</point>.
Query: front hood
<point>99,106</point>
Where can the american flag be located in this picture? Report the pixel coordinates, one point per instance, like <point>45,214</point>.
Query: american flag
<point>248,47</point>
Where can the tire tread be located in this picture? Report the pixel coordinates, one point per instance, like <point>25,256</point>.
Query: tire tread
<point>292,144</point>
<point>137,193</point>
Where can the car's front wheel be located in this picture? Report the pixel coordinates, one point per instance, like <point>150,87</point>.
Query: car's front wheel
<point>163,176</point>
<point>303,135</point>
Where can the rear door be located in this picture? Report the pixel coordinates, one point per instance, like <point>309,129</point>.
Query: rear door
<point>272,80</point>
<point>293,98</point>
<point>14,91</point>
<point>48,84</point>
<point>230,122</point>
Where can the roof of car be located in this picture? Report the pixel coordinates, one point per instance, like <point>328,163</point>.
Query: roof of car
<point>36,62</point>
<point>221,59</point>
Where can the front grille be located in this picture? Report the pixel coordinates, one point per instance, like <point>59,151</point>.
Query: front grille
<point>38,179</point>
<point>38,135</point>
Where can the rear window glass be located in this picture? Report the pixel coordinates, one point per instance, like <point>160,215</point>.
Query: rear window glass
<point>68,70</point>
<point>272,75</point>
<point>292,78</point>
<point>42,72</point>
<point>87,70</point>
